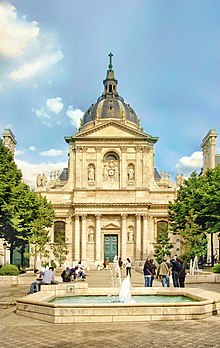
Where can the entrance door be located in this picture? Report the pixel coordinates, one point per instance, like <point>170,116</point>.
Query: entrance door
<point>110,246</point>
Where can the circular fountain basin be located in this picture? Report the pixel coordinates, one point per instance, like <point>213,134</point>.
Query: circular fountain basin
<point>43,305</point>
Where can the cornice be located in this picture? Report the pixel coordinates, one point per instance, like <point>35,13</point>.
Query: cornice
<point>83,134</point>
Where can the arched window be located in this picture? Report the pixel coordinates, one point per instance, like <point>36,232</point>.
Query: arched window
<point>111,156</point>
<point>162,227</point>
<point>110,88</point>
<point>59,231</point>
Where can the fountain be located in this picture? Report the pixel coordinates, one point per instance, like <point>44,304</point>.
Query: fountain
<point>125,291</point>
<point>77,303</point>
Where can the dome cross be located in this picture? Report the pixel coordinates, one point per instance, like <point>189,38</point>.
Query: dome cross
<point>110,60</point>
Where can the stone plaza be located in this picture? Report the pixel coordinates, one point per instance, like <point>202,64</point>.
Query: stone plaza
<point>21,332</point>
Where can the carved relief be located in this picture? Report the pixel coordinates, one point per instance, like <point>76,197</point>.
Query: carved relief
<point>131,172</point>
<point>91,234</point>
<point>110,171</point>
<point>91,172</point>
<point>130,234</point>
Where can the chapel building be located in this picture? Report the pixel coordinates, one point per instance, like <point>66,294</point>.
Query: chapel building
<point>110,200</point>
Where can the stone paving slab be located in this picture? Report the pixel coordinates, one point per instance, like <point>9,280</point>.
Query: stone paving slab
<point>21,332</point>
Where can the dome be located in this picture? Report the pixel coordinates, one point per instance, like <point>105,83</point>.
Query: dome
<point>110,105</point>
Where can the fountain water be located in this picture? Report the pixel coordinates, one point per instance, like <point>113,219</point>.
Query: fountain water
<point>125,291</point>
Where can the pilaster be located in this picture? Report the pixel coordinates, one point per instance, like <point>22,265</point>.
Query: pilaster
<point>138,237</point>
<point>123,236</point>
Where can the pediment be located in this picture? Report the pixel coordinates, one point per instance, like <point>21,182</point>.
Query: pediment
<point>111,225</point>
<point>112,129</point>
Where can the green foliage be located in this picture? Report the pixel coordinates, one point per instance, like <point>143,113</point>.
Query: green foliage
<point>195,211</point>
<point>9,270</point>
<point>216,268</point>
<point>53,264</point>
<point>60,249</point>
<point>163,245</point>
<point>24,215</point>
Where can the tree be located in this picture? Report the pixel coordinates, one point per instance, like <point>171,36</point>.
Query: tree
<point>163,245</point>
<point>60,249</point>
<point>23,213</point>
<point>195,211</point>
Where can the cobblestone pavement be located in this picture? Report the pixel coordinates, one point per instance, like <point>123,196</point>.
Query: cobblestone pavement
<point>17,331</point>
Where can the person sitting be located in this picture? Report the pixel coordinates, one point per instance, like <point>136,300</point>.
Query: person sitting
<point>48,278</point>
<point>34,285</point>
<point>66,275</point>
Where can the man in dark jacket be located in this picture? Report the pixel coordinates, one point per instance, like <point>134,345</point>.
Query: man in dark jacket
<point>66,275</point>
<point>176,268</point>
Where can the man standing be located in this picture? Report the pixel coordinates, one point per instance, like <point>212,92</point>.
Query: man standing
<point>163,272</point>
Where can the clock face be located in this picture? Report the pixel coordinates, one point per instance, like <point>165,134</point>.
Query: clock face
<point>111,172</point>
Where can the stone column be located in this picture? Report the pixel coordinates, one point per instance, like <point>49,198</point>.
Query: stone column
<point>98,237</point>
<point>138,237</point>
<point>145,237</point>
<point>138,167</point>
<point>123,167</point>
<point>78,167</point>
<point>98,169</point>
<point>123,253</point>
<point>84,238</point>
<point>84,172</point>
<point>69,236</point>
<point>77,238</point>
<point>145,171</point>
<point>151,224</point>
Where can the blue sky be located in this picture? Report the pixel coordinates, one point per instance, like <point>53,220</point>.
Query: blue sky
<point>54,56</point>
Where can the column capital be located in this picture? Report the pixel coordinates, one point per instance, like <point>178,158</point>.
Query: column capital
<point>84,216</point>
<point>124,149</point>
<point>145,216</point>
<point>138,216</point>
<point>98,216</point>
<point>98,148</point>
<point>124,216</point>
<point>76,216</point>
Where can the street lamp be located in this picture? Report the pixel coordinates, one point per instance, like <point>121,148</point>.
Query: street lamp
<point>219,246</point>
<point>5,248</point>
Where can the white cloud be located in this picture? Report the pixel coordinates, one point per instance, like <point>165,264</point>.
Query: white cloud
<point>41,113</point>
<point>187,164</point>
<point>30,170</point>
<point>19,152</point>
<point>26,50</point>
<point>32,148</point>
<point>55,105</point>
<point>51,153</point>
<point>37,66</point>
<point>75,115</point>
<point>15,34</point>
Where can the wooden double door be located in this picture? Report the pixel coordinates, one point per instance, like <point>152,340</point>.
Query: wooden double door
<point>110,246</point>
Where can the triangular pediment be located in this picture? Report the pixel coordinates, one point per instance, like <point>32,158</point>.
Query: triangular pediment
<point>113,129</point>
<point>110,225</point>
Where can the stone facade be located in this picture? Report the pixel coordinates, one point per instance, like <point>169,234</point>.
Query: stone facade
<point>110,198</point>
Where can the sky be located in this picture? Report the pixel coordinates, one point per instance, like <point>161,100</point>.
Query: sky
<point>54,57</point>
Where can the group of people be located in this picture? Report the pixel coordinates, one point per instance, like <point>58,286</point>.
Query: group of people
<point>42,278</point>
<point>165,269</point>
<point>70,274</point>
<point>47,277</point>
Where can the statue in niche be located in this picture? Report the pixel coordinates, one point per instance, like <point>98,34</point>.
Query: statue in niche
<point>130,235</point>
<point>91,173</point>
<point>130,173</point>
<point>91,235</point>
